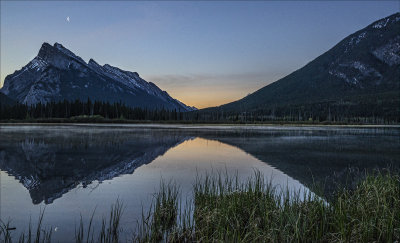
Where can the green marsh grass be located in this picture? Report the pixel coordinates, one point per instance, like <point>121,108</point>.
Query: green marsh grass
<point>226,209</point>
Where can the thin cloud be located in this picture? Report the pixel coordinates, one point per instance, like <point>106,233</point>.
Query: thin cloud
<point>195,80</point>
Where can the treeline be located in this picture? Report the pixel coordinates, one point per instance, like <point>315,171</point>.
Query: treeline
<point>68,109</point>
<point>372,109</point>
<point>325,112</point>
<point>328,112</point>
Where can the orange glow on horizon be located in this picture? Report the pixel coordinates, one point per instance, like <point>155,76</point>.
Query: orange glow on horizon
<point>211,100</point>
<point>206,97</point>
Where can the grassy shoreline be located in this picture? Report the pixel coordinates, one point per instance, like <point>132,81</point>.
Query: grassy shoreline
<point>226,210</point>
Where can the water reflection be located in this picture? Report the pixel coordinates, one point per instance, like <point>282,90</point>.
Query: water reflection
<point>49,161</point>
<point>74,169</point>
<point>323,158</point>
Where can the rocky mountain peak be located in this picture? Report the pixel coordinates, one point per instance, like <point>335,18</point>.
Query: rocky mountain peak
<point>46,51</point>
<point>93,62</point>
<point>56,73</point>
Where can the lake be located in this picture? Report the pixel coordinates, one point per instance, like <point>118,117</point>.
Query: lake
<point>71,170</point>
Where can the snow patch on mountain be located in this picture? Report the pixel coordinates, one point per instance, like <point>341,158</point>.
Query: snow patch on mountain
<point>381,24</point>
<point>355,40</point>
<point>30,182</point>
<point>363,69</point>
<point>126,78</point>
<point>129,79</point>
<point>389,53</point>
<point>37,64</point>
<point>346,72</point>
<point>340,75</point>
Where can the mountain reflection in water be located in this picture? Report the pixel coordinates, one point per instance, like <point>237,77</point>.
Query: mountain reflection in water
<point>51,160</point>
<point>50,164</point>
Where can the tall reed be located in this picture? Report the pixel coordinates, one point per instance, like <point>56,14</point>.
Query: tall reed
<point>225,209</point>
<point>42,235</point>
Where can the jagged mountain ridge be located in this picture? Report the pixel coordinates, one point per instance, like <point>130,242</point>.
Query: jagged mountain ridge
<point>364,64</point>
<point>56,74</point>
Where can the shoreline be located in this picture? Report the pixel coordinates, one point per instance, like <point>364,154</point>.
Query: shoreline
<point>195,125</point>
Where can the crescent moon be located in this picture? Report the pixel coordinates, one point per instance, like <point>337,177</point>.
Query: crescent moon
<point>67,18</point>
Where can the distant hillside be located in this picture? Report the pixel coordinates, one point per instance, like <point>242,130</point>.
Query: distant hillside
<point>359,76</point>
<point>56,74</point>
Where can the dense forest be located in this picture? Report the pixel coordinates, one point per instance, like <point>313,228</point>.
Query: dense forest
<point>327,112</point>
<point>68,109</point>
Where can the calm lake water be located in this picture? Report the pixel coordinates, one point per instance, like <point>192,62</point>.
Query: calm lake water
<point>70,170</point>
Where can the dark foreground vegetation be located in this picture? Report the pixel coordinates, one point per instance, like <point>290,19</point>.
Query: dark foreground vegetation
<point>105,112</point>
<point>225,210</point>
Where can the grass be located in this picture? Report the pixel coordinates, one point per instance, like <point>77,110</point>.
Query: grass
<point>41,235</point>
<point>109,231</point>
<point>227,210</point>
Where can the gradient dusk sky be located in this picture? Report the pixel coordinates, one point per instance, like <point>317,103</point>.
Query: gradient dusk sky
<point>202,53</point>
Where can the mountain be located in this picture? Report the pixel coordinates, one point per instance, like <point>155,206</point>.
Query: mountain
<point>5,100</point>
<point>361,72</point>
<point>56,74</point>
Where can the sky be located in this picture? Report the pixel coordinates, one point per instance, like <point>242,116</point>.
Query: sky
<point>203,53</point>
